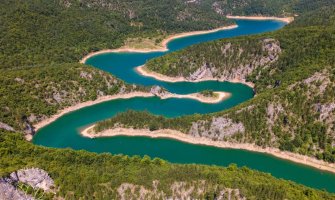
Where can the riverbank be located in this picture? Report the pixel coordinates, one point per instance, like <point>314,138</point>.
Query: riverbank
<point>163,43</point>
<point>177,135</point>
<point>78,106</point>
<point>220,96</point>
<point>145,72</point>
<point>287,20</point>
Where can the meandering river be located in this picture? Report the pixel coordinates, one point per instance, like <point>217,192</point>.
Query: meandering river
<point>64,132</point>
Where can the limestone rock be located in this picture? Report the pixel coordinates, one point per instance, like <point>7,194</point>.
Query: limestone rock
<point>6,127</point>
<point>217,129</point>
<point>9,192</point>
<point>36,178</point>
<point>158,91</point>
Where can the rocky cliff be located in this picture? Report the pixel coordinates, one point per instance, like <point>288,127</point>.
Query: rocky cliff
<point>11,187</point>
<point>224,61</point>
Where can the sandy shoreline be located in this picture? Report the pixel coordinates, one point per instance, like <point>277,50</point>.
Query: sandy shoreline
<point>195,96</point>
<point>177,135</point>
<point>282,19</point>
<point>145,72</point>
<point>163,43</point>
<point>180,35</point>
<point>78,106</point>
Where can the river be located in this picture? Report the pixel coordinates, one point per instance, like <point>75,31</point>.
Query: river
<point>64,132</point>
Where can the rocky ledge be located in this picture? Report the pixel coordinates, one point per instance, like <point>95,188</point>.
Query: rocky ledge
<point>34,177</point>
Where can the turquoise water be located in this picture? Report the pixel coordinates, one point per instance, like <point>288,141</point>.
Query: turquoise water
<point>64,132</point>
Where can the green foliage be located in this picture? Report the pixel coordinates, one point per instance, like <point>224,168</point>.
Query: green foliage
<point>207,93</point>
<point>42,91</point>
<point>223,55</point>
<point>143,119</point>
<point>100,175</point>
<point>36,32</point>
<point>41,40</point>
<point>307,51</point>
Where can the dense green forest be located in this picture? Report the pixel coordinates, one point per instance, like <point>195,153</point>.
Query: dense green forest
<point>37,32</point>
<point>294,106</point>
<point>42,41</point>
<point>31,94</point>
<point>46,37</point>
<point>84,175</point>
<point>224,59</point>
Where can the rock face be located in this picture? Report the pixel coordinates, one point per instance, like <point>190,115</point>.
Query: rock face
<point>217,129</point>
<point>273,110</point>
<point>217,8</point>
<point>9,192</point>
<point>179,190</point>
<point>269,54</point>
<point>36,178</point>
<point>6,127</point>
<point>158,91</point>
<point>326,110</point>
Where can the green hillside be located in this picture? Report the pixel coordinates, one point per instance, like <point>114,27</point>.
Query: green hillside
<point>42,42</point>
<point>83,175</point>
<point>293,73</point>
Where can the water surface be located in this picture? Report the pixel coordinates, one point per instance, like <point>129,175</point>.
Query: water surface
<point>64,132</point>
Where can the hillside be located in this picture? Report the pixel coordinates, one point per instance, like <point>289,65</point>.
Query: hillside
<point>104,176</point>
<point>293,73</point>
<point>38,32</point>
<point>30,95</point>
<point>42,42</point>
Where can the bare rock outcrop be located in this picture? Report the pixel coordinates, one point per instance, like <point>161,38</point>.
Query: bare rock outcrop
<point>159,91</point>
<point>6,127</point>
<point>217,129</point>
<point>217,8</point>
<point>10,192</point>
<point>270,53</point>
<point>178,190</point>
<point>326,110</point>
<point>36,178</point>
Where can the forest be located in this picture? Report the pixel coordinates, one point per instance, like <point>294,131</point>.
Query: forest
<point>35,93</point>
<point>42,42</point>
<point>84,175</point>
<point>293,106</point>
